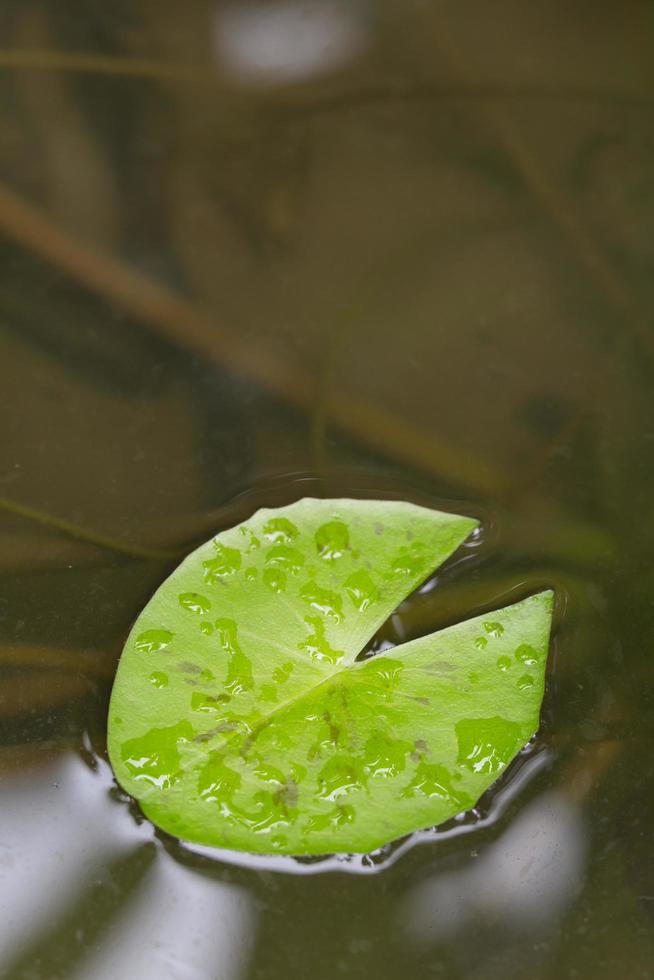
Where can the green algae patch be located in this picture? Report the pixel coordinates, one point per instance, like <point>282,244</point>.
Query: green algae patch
<point>241,718</point>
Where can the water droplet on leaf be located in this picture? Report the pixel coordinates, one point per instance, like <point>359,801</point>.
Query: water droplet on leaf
<point>152,641</point>
<point>332,540</point>
<point>226,562</point>
<point>209,703</point>
<point>281,674</point>
<point>335,818</point>
<point>409,560</point>
<point>239,671</point>
<point>339,775</point>
<point>279,529</point>
<point>526,655</point>
<point>384,755</point>
<point>286,557</point>
<point>154,757</point>
<point>361,589</point>
<point>317,644</point>
<point>324,600</point>
<point>487,744</point>
<point>217,782</point>
<point>275,579</point>
<point>435,780</point>
<point>194,602</point>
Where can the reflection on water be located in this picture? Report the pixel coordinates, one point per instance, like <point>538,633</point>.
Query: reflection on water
<point>67,849</point>
<point>42,860</point>
<point>60,842</point>
<point>253,252</point>
<point>289,40</point>
<point>523,882</point>
<point>178,925</point>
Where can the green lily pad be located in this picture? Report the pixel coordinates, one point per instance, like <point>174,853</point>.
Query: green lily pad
<point>241,718</point>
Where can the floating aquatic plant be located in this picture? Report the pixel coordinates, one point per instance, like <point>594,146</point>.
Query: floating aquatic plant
<point>240,716</point>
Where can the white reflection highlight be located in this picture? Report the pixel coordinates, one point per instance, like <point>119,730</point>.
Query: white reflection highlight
<point>522,881</point>
<point>288,40</point>
<point>57,830</point>
<point>178,926</point>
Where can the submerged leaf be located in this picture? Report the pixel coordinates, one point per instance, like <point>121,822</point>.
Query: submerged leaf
<point>240,717</point>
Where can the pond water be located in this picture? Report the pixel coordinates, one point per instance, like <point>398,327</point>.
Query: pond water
<point>258,251</point>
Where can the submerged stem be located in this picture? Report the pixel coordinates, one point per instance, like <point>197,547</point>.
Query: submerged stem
<point>84,534</point>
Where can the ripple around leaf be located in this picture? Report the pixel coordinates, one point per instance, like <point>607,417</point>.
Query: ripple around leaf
<point>240,717</point>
